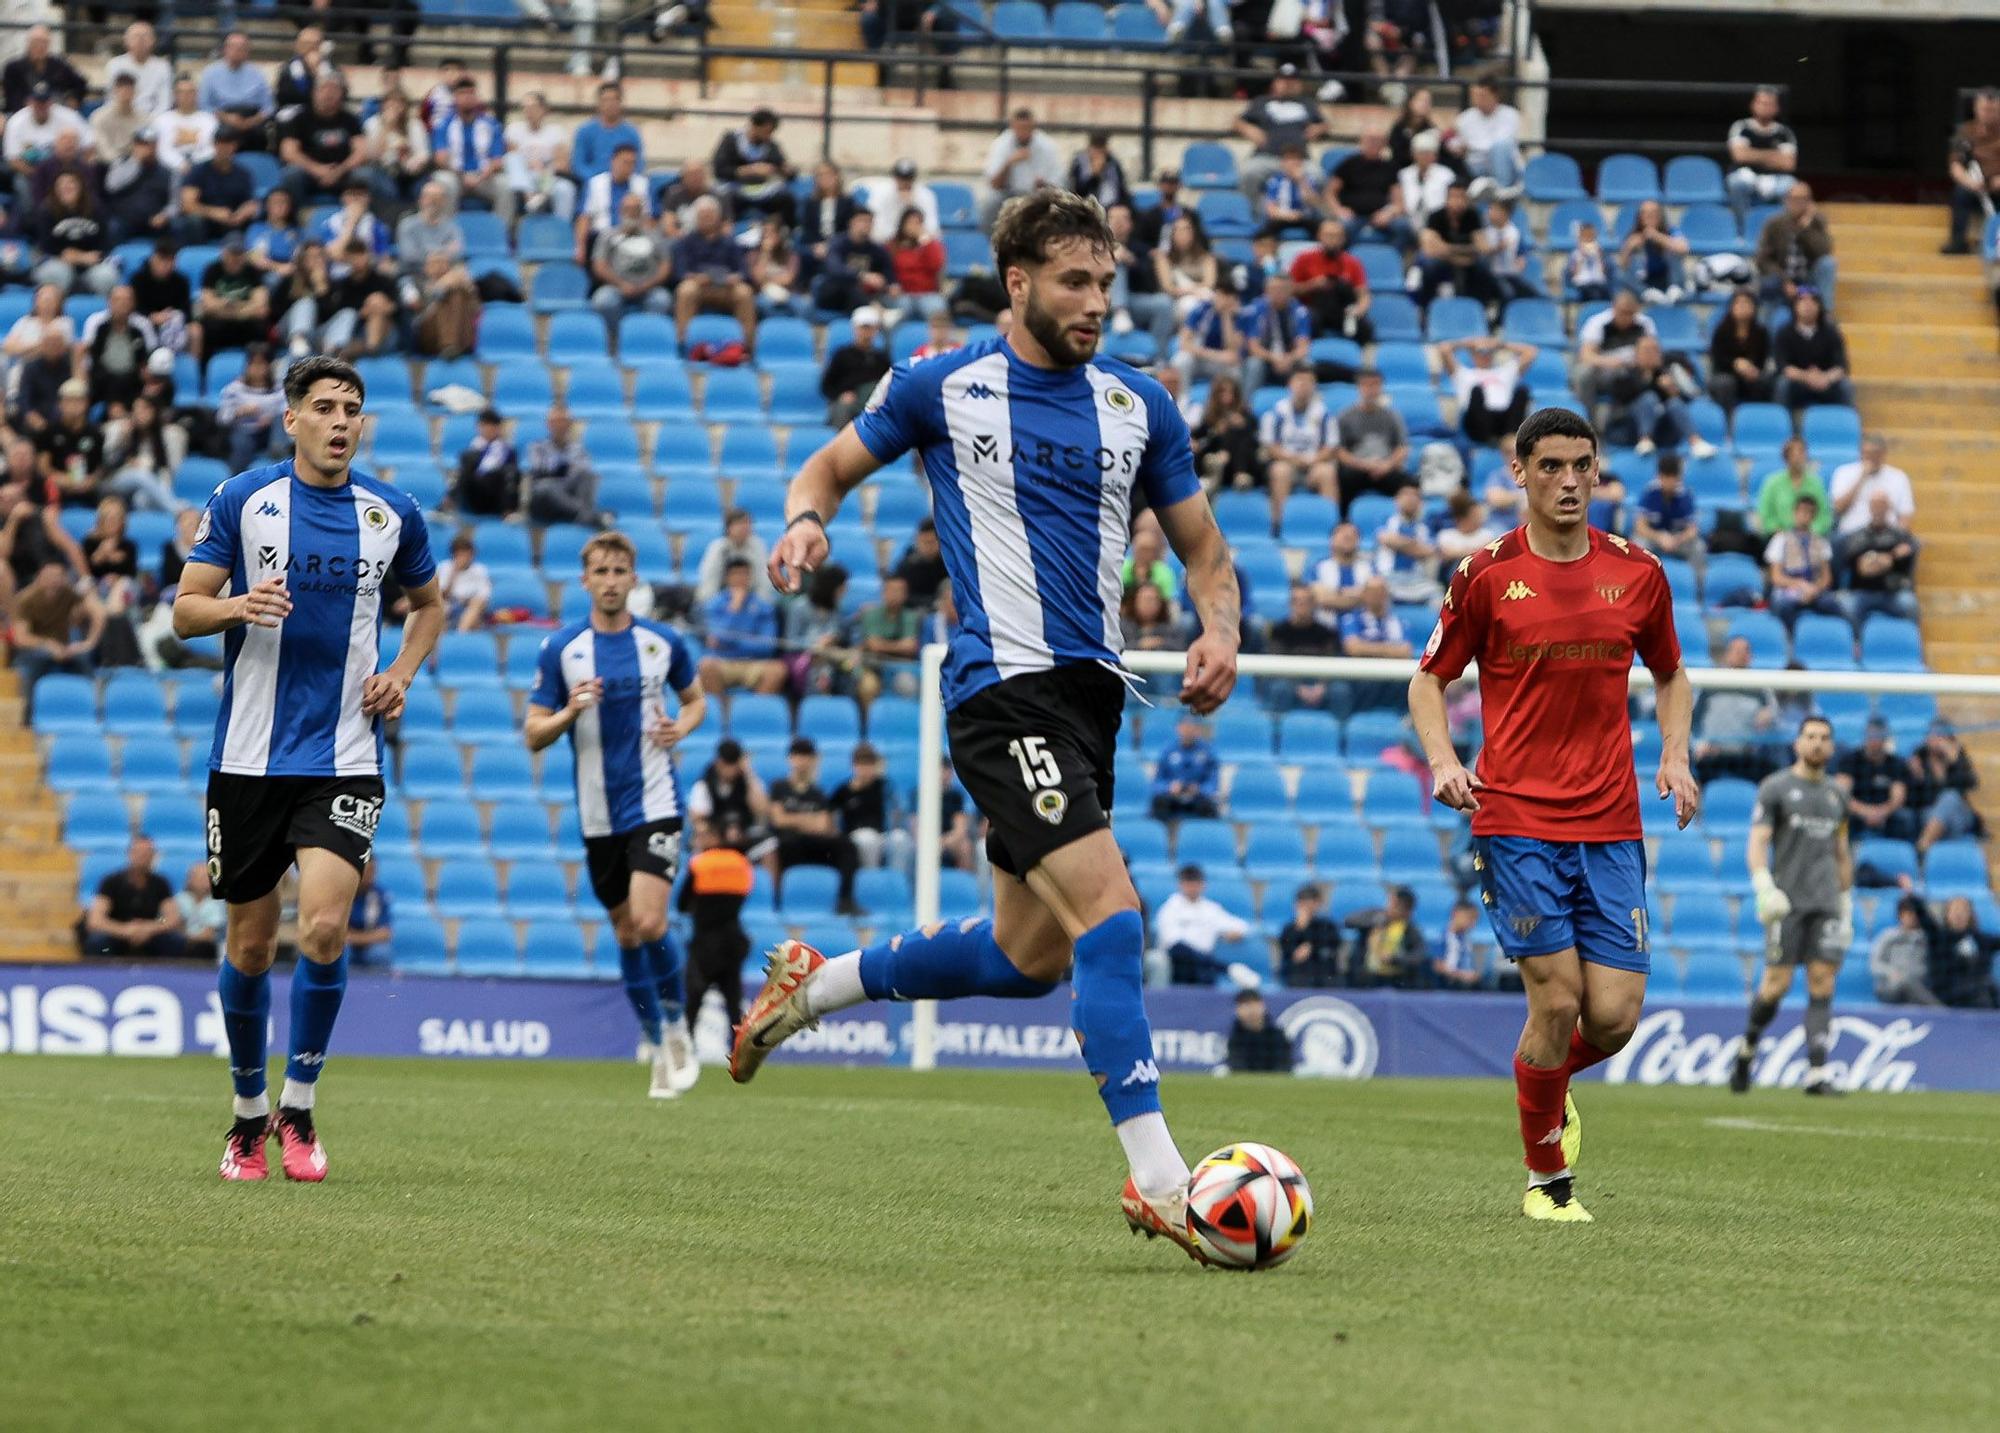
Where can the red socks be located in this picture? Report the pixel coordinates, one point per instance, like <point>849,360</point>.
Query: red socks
<point>1539,1094</point>
<point>1583,1054</point>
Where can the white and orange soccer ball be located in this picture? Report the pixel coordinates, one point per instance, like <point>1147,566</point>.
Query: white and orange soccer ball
<point>1249,1206</point>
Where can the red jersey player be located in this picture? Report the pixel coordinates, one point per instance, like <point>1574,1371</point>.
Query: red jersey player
<point>1553,613</point>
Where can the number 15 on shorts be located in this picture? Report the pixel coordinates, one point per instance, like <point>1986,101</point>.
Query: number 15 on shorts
<point>1041,775</point>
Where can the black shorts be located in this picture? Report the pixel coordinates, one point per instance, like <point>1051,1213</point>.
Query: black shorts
<point>256,825</point>
<point>654,848</point>
<point>1035,754</point>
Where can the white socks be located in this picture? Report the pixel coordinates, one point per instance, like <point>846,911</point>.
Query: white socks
<point>255,1107</point>
<point>835,985</point>
<point>296,1096</point>
<point>1536,1179</point>
<point>1157,1166</point>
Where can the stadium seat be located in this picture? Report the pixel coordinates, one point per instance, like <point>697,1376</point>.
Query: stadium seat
<point>79,761</point>
<point>152,764</point>
<point>1383,268</point>
<point>1020,22</point>
<point>1410,855</point>
<point>662,393</point>
<point>451,832</point>
<point>1257,793</point>
<point>1142,840</point>
<point>558,286</point>
<point>1822,641</point>
<point>809,892</point>
<point>576,335</point>
<point>1832,427</point>
<point>539,891</point>
<point>1078,22</point>
<point>1760,427</point>
<point>468,660</point>
<point>1889,859</point>
<point>1536,321</point>
<point>554,950</point>
<point>715,330</point>
<point>467,888</point>
<point>1890,644</point>
<point>432,772</point>
<point>1627,179</point>
<point>1710,229</point>
<point>1564,219</point>
<point>97,820</point>
<point>1206,164</point>
<point>418,945</point>
<point>1765,633</point>
<point>544,238</point>
<point>1308,518</point>
<point>1955,866</point>
<point>1309,738</point>
<point>1346,849</point>
<point>750,451</point>
<point>1368,732</point>
<point>1693,179</point>
<point>486,946</point>
<point>1726,804</point>
<point>503,773</point>
<point>1397,318</point>
<point>134,702</point>
<point>1205,843</point>
<point>523,388</point>
<point>595,392</point>
<point>1455,318</point>
<point>1392,800</point>
<point>1551,178</point>
<point>1226,213</point>
<point>884,893</point>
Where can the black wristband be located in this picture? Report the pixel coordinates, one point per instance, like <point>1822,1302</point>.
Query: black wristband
<point>808,516</point>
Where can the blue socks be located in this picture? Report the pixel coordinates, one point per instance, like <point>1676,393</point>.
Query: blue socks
<point>1109,1016</point>
<point>246,1019</point>
<point>641,989</point>
<point>317,991</point>
<point>669,967</point>
<point>962,958</point>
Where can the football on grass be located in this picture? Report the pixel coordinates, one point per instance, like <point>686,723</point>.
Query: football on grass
<point>1249,1206</point>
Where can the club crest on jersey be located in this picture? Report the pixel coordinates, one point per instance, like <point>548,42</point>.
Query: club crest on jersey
<point>1051,805</point>
<point>1610,593</point>
<point>1518,590</point>
<point>1119,401</point>
<point>375,517</point>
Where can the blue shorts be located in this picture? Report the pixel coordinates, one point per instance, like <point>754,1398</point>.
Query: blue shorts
<point>1543,896</point>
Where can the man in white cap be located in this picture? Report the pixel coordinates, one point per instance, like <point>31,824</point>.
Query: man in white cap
<point>853,369</point>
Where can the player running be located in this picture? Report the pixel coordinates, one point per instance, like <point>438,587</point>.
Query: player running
<point>1553,613</point>
<point>295,773</point>
<point>604,681</point>
<point>1038,453</point>
<point>1803,875</point>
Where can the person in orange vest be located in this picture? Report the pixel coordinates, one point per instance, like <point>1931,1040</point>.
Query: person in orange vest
<point>718,881</point>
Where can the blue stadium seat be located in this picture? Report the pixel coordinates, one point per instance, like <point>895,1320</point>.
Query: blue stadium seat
<point>596,391</point>
<point>484,233</point>
<point>1208,165</point>
<point>1382,266</point>
<point>1020,22</point>
<point>884,893</point>
<point>1760,427</point>
<point>1889,859</point>
<point>432,773</point>
<point>1956,866</point>
<point>1890,644</point>
<point>749,450</point>
<point>1397,318</point>
<point>1677,330</point>
<point>451,832</point>
<point>1142,840</point>
<point>1831,427</point>
<point>731,395</point>
<point>1400,363</point>
<point>152,764</point>
<point>759,721</point>
<point>467,888</point>
<point>1551,178</point>
<point>79,761</point>
<point>558,286</point>
<point>1345,850</point>
<point>795,396</point>
<point>1726,803</point>
<point>1308,737</point>
<point>554,950</point>
<point>1308,518</point>
<point>1410,855</point>
<point>1392,799</point>
<point>502,773</point>
<point>1627,179</point>
<point>830,720</point>
<point>402,437</point>
<point>808,892</point>
<point>956,207</point>
<point>714,329</point>
<point>1564,220</point>
<point>97,820</point>
<point>521,832</point>
<point>134,701</point>
<point>575,335</point>
<point>1226,213</point>
<point>539,891</point>
<point>1274,845</point>
<point>419,947</point>
<point>1822,641</point>
<point>1369,732</point>
<point>1209,844</point>
<point>965,252</point>
<point>693,506</point>
<point>1077,22</point>
<point>1694,179</point>
<point>1711,229</point>
<point>1685,867</point>
<point>663,394</point>
<point>543,238</point>
<point>485,946</point>
<point>1455,318</point>
<point>468,660</point>
<point>523,389</point>
<point>1766,635</point>
<point>1257,793</point>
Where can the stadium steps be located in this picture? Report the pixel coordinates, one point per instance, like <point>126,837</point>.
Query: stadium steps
<point>808,24</point>
<point>37,872</point>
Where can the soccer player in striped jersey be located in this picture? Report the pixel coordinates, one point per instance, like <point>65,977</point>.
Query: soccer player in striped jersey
<point>1553,613</point>
<point>1038,453</point>
<point>295,774</point>
<point>604,681</point>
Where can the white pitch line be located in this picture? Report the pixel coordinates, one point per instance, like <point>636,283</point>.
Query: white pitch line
<point>1842,1132</point>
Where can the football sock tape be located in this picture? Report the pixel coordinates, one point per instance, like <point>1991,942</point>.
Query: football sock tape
<point>317,991</point>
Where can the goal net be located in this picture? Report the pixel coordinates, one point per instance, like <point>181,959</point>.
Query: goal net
<point>1322,784</point>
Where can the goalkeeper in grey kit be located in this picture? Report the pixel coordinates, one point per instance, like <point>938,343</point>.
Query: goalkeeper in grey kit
<point>1803,875</point>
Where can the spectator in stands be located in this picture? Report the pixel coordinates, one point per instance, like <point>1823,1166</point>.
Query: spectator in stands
<point>1283,118</point>
<point>152,75</point>
<point>116,123</point>
<point>1393,952</point>
<point>1503,253</point>
<point>45,311</point>
<point>1856,484</point>
<point>1810,354</point>
<point>273,241</point>
<point>1277,335</point>
<point>1665,522</point>
<point>1651,259</point>
<point>1021,160</point>
<point>67,154</point>
<point>1783,487</point>
<point>604,196</point>
<point>1799,563</point>
<point>322,149</point>
<point>807,831</point>
<point>1795,251</point>
<point>470,152</point>
<point>562,481</point>
<point>1363,191</point>
<point>443,306</point>
<point>1136,300</point>
<point>466,584</point>
<point>741,631</point>
<point>356,219</point>
<point>113,352</point>
<point>1423,186</point>
<point>1153,225</point>
<point>487,482</point>
<point>251,410</point>
<point>38,67</point>
<point>111,553</point>
<point>738,543</point>
<point>824,215</point>
<point>186,133</point>
<point>1486,139</point>
<point>727,794</point>
<point>538,161</point>
<point>371,922</point>
<point>600,136</point>
<point>866,808</point>
<point>1286,203</point>
<point>234,307</point>
<point>859,270</point>
<point>1186,268</point>
<point>817,657</point>
<point>1097,173</point>
<point>142,452</point>
<point>1299,634</point>
<point>303,296</point>
<point>1146,564</point>
<point>1374,443</point>
<point>311,58</point>
<point>921,565</point>
<point>1874,779</point>
<point>39,378</point>
<point>1225,435</point>
<point>1586,272</point>
<point>1974,161</point>
<point>692,184</point>
<point>133,912</point>
<point>1489,384</point>
<point>1878,562</point>
<point>1255,1045</point>
<point>1739,354</point>
<point>163,295</point>
<point>1371,629</point>
<point>1405,551</point>
<point>918,261</point>
<point>1962,957</point>
<point>218,195</point>
<point>1941,781</point>
<point>237,94</point>
<point>902,190</point>
<point>1650,393</point>
<point>57,624</point>
<point>886,632</point>
<point>1449,256</point>
<point>1333,286</point>
<point>710,273</point>
<point>429,228</point>
<point>1605,344</point>
<point>202,915</point>
<point>1210,343</point>
<point>1763,153</point>
<point>632,265</point>
<point>71,447</point>
<point>1340,577</point>
<point>1899,961</point>
<point>1466,529</point>
<point>1296,441</point>
<point>138,193</point>
<point>1187,776</point>
<point>396,144</point>
<point>853,369</point>
<point>67,228</point>
<point>32,533</point>
<point>1190,924</point>
<point>774,271</point>
<point>1148,623</point>
<point>751,167</point>
<point>1309,945</point>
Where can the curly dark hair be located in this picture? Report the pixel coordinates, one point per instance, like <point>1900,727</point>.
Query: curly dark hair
<point>301,376</point>
<point>1029,223</point>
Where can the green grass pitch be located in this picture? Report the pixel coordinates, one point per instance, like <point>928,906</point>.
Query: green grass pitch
<point>539,1246</point>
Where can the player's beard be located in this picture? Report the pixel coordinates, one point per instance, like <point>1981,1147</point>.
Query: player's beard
<point>1049,332</point>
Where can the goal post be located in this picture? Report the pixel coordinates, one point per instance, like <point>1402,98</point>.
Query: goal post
<point>1976,711</point>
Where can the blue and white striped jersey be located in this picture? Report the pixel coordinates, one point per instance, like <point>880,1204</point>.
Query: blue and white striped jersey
<point>291,694</point>
<point>1034,474</point>
<point>623,781</point>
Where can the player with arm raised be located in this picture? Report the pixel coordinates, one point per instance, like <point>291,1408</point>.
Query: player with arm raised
<point>604,681</point>
<point>1038,453</point>
<point>1553,613</point>
<point>1803,874</point>
<point>295,773</point>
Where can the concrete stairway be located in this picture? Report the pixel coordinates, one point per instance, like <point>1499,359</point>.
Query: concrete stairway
<point>37,872</point>
<point>1921,337</point>
<point>806,24</point>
